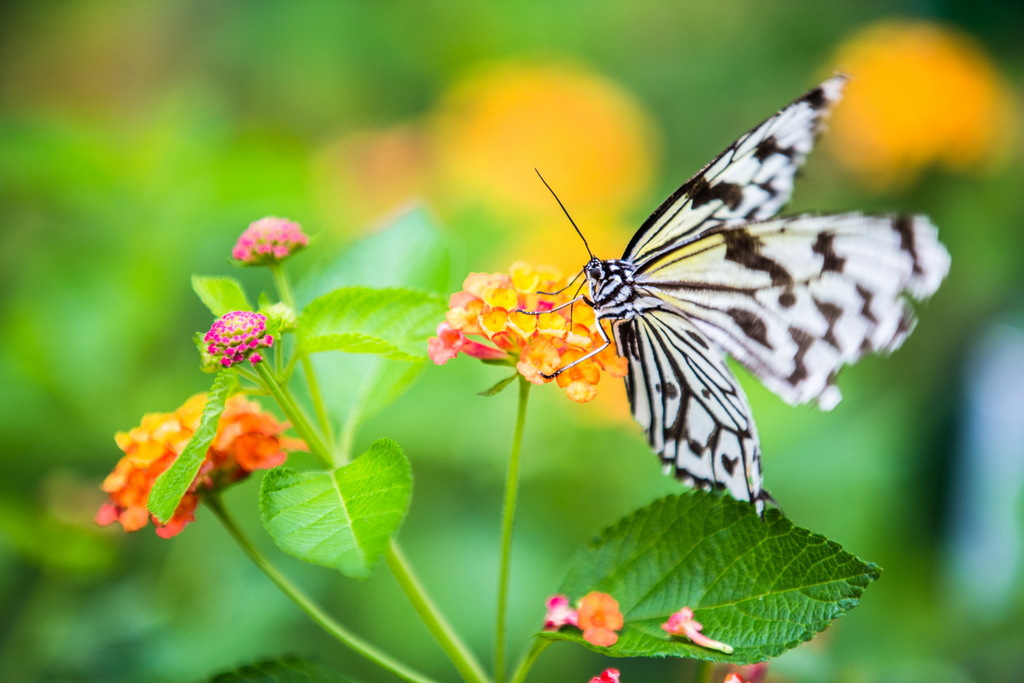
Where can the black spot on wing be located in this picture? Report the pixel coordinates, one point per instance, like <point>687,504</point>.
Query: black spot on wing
<point>803,342</point>
<point>751,324</point>
<point>701,192</point>
<point>831,313</point>
<point>745,249</point>
<point>729,464</point>
<point>787,299</point>
<point>824,246</point>
<point>904,226</point>
<point>866,296</point>
<point>770,146</point>
<point>816,98</point>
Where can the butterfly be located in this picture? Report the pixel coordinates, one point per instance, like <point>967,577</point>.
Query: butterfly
<point>713,272</point>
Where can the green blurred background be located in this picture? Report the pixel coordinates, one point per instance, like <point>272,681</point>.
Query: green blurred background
<point>138,139</point>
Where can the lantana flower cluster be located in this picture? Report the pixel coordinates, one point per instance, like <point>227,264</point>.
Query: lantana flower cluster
<point>269,240</point>
<point>248,439</point>
<point>502,309</point>
<point>238,336</point>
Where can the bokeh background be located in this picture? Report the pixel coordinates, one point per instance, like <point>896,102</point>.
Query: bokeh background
<point>138,139</point>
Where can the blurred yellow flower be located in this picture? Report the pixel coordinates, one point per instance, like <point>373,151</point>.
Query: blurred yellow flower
<point>922,95</point>
<point>592,141</point>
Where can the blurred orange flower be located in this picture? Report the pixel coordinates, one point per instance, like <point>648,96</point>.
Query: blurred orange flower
<point>590,138</point>
<point>247,439</point>
<point>922,95</point>
<point>491,305</point>
<point>600,619</point>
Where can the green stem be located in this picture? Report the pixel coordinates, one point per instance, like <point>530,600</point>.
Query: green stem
<point>284,289</point>
<point>340,633</point>
<point>539,645</point>
<point>703,671</point>
<point>507,520</point>
<point>298,418</point>
<point>469,668</point>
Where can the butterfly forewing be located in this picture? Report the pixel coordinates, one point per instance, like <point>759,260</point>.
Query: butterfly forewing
<point>749,181</point>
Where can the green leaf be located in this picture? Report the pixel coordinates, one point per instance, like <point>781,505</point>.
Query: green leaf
<point>760,585</point>
<point>341,519</point>
<point>283,670</point>
<point>174,482</point>
<point>393,323</point>
<point>410,253</point>
<point>500,386</point>
<point>220,294</point>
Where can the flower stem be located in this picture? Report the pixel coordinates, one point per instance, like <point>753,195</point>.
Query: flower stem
<point>307,605</point>
<point>702,671</point>
<point>469,668</point>
<point>539,645</point>
<point>284,290</point>
<point>297,417</point>
<point>507,520</point>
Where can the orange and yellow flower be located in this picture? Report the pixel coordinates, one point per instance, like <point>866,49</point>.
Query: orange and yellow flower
<point>922,95</point>
<point>503,309</point>
<point>600,619</point>
<point>247,439</point>
<point>597,615</point>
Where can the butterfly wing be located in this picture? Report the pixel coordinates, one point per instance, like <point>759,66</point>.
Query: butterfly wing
<point>694,412</point>
<point>750,181</point>
<point>794,299</point>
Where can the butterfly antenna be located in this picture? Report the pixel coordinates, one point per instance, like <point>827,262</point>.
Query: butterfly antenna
<point>566,212</point>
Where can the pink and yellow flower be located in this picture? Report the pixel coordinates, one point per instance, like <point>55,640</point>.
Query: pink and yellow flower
<point>502,308</point>
<point>682,623</point>
<point>269,240</point>
<point>238,336</point>
<point>247,439</point>
<point>597,615</point>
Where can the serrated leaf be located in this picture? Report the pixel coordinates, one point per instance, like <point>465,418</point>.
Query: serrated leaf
<point>281,670</point>
<point>500,386</point>
<point>341,519</point>
<point>220,294</point>
<point>393,323</point>
<point>760,585</point>
<point>170,486</point>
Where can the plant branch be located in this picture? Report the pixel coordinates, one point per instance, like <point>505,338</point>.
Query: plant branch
<point>326,622</point>
<point>507,522</point>
<point>469,668</point>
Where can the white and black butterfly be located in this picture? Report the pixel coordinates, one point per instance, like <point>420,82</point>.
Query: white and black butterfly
<point>792,299</point>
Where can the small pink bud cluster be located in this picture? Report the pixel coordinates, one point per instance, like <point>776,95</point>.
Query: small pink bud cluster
<point>236,336</point>
<point>269,240</point>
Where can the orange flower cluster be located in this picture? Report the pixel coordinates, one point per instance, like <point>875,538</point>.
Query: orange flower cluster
<point>493,305</point>
<point>247,439</point>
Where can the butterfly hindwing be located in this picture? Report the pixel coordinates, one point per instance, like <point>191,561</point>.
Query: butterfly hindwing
<point>749,181</point>
<point>694,412</point>
<point>794,299</point>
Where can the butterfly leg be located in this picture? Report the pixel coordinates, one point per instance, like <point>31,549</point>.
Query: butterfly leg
<point>605,345</point>
<point>556,308</point>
